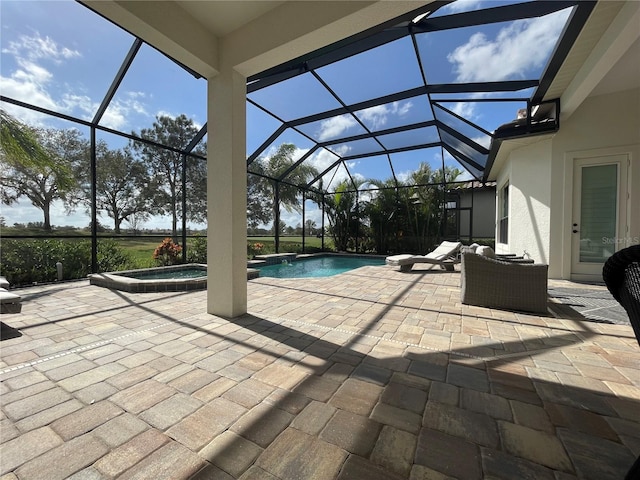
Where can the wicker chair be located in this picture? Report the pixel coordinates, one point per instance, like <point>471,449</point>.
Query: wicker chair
<point>621,273</point>
<point>487,282</point>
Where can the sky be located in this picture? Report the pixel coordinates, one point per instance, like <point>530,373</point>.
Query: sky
<point>61,56</point>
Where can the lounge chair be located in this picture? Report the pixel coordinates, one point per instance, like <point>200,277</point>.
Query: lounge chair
<point>445,255</point>
<point>9,302</point>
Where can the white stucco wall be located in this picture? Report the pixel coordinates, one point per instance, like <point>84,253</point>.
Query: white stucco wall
<point>541,178</point>
<point>528,172</point>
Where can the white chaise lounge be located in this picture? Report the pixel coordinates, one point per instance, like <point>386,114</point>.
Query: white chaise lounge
<point>9,302</point>
<point>445,255</point>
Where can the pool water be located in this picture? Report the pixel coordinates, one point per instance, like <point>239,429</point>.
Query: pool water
<point>168,274</point>
<point>318,266</point>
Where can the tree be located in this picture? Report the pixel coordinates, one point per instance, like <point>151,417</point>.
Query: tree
<point>165,167</point>
<point>123,189</point>
<point>18,143</point>
<point>261,190</point>
<point>259,198</point>
<point>41,165</point>
<point>387,217</point>
<point>310,227</point>
<point>136,220</point>
<point>344,214</point>
<point>427,202</point>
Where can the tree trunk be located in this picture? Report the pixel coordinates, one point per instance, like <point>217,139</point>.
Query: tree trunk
<point>174,226</point>
<point>47,216</point>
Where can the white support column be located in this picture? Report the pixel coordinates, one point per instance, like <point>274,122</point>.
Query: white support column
<point>227,195</point>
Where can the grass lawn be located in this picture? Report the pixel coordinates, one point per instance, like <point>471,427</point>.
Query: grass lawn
<point>140,250</point>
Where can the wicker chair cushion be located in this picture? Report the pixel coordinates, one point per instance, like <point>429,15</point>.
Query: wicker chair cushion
<point>485,251</point>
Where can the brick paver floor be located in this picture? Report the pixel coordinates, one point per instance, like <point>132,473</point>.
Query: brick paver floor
<point>373,374</point>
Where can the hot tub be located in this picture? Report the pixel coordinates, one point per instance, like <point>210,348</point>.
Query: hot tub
<point>176,278</point>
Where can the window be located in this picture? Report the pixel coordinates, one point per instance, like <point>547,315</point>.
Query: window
<point>503,228</point>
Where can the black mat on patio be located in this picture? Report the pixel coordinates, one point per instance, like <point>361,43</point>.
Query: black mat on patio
<point>596,305</point>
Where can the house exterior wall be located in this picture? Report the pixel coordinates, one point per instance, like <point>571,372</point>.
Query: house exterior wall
<point>540,176</point>
<point>528,171</point>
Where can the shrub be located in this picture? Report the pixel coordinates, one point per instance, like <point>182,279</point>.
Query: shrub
<point>167,253</point>
<point>254,249</point>
<point>25,262</point>
<point>112,257</point>
<point>197,251</point>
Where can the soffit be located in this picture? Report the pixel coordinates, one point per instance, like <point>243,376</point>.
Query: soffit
<point>625,75</point>
<point>224,17</point>
<point>598,22</point>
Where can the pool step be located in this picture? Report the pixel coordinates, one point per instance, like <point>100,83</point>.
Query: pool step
<point>252,273</point>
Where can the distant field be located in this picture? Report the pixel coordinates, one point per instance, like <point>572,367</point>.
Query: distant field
<point>310,241</point>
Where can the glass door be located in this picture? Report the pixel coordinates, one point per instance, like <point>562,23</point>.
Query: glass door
<point>596,213</point>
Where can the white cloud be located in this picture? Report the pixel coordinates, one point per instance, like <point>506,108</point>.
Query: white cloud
<point>34,83</point>
<point>462,6</point>
<point>31,81</point>
<point>405,176</point>
<point>376,117</point>
<point>120,110</point>
<point>31,48</point>
<point>322,160</point>
<point>334,127</point>
<point>465,110</point>
<point>484,140</point>
<point>522,46</point>
<point>20,86</point>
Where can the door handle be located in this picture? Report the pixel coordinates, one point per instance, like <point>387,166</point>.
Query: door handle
<point>575,231</point>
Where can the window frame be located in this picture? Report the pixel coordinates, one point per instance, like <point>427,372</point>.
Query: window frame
<point>503,214</point>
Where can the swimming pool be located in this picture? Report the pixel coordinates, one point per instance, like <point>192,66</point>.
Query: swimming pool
<point>321,266</point>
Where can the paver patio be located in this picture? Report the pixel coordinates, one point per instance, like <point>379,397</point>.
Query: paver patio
<point>373,374</point>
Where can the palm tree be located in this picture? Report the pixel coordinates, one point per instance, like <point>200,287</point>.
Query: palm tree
<point>40,164</point>
<point>387,218</point>
<point>344,213</point>
<point>276,167</point>
<point>427,202</point>
<point>19,143</point>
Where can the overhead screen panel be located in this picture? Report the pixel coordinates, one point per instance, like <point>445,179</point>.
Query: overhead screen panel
<point>384,70</point>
